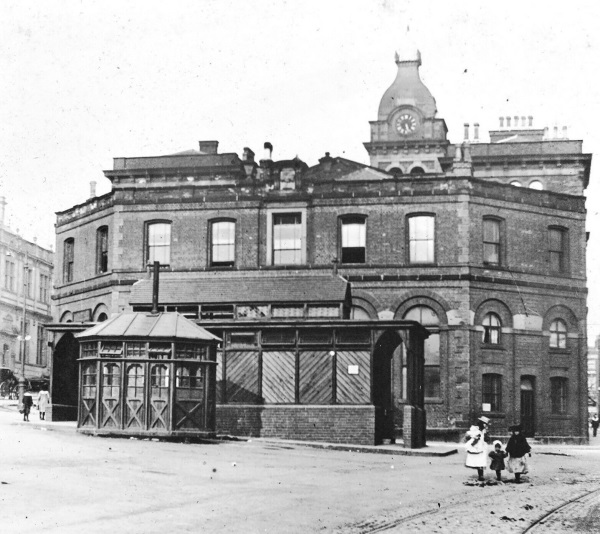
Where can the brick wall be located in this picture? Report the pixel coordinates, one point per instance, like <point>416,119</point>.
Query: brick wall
<point>332,424</point>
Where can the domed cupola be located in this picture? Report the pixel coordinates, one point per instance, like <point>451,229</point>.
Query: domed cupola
<point>407,137</point>
<point>407,89</point>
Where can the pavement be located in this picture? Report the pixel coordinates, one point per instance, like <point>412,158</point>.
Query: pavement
<point>56,480</point>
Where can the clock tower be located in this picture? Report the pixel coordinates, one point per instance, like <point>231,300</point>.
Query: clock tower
<point>407,138</point>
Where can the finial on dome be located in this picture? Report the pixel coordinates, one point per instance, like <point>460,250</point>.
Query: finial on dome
<point>408,51</point>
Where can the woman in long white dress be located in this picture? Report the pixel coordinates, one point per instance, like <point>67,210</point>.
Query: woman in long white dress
<point>477,449</point>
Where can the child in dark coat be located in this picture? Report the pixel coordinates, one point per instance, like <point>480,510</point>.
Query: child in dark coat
<point>518,449</point>
<point>497,456</point>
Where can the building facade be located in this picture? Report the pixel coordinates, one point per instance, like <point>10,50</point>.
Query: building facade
<point>593,376</point>
<point>26,272</point>
<point>482,243</point>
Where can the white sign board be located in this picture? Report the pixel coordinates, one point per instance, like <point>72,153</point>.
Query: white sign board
<point>353,369</point>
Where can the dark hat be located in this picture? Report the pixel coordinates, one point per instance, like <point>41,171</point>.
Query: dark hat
<point>515,428</point>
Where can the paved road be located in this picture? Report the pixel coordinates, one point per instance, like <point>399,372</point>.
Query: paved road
<point>57,481</point>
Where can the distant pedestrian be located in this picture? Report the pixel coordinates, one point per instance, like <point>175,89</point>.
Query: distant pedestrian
<point>477,446</point>
<point>27,404</point>
<point>517,449</point>
<point>43,400</point>
<point>594,422</point>
<point>497,456</point>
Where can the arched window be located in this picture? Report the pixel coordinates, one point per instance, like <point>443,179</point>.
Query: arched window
<point>111,381</point>
<point>417,170</point>
<point>359,313</point>
<point>429,319</point>
<point>515,183</point>
<point>353,233</point>
<point>159,381</point>
<point>222,244</point>
<point>491,329</point>
<point>396,171</point>
<point>536,184</point>
<point>558,334</point>
<point>492,392</point>
<point>135,381</point>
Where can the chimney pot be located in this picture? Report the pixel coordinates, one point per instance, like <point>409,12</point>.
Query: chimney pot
<point>555,132</point>
<point>508,122</point>
<point>564,132</point>
<point>501,122</point>
<point>248,155</point>
<point>523,122</point>
<point>476,132</point>
<point>516,121</point>
<point>92,189</point>
<point>466,131</point>
<point>530,121</point>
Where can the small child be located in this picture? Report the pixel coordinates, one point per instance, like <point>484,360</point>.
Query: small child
<point>518,449</point>
<point>497,456</point>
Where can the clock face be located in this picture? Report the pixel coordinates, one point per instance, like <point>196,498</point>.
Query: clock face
<point>406,124</point>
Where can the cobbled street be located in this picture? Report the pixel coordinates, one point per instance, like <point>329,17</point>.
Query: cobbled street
<point>58,481</point>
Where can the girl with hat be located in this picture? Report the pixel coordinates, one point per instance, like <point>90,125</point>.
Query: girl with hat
<point>477,446</point>
<point>517,449</point>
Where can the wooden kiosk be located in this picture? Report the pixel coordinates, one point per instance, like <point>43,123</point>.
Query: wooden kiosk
<point>147,374</point>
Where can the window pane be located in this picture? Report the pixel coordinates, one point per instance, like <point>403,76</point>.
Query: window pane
<point>491,231</point>
<point>353,234</point>
<point>421,239</point>
<point>287,238</point>
<point>432,381</point>
<point>223,243</point>
<point>159,243</point>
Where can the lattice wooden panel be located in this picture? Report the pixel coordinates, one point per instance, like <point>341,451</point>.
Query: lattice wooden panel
<point>242,377</point>
<point>278,378</point>
<point>353,388</point>
<point>316,377</point>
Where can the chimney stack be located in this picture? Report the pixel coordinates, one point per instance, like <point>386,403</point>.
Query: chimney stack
<point>555,132</point>
<point>564,132</point>
<point>326,162</point>
<point>476,132</point>
<point>248,155</point>
<point>155,271</point>
<point>92,189</point>
<point>516,121</point>
<point>466,131</point>
<point>508,122</point>
<point>501,122</point>
<point>268,151</point>
<point>530,121</point>
<point>523,122</point>
<point>209,147</point>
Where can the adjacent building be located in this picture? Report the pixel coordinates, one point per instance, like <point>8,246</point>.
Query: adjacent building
<point>26,272</point>
<point>483,243</point>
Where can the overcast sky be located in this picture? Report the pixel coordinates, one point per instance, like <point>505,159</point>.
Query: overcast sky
<point>83,82</point>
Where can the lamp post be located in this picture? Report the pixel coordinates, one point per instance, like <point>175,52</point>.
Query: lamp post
<point>24,337</point>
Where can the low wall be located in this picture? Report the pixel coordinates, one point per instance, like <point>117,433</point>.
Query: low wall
<point>333,424</point>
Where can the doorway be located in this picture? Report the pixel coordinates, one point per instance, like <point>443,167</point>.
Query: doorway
<point>382,396</point>
<point>65,379</point>
<point>528,405</point>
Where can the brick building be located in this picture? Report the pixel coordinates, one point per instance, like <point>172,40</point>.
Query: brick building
<point>482,243</point>
<point>26,272</point>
